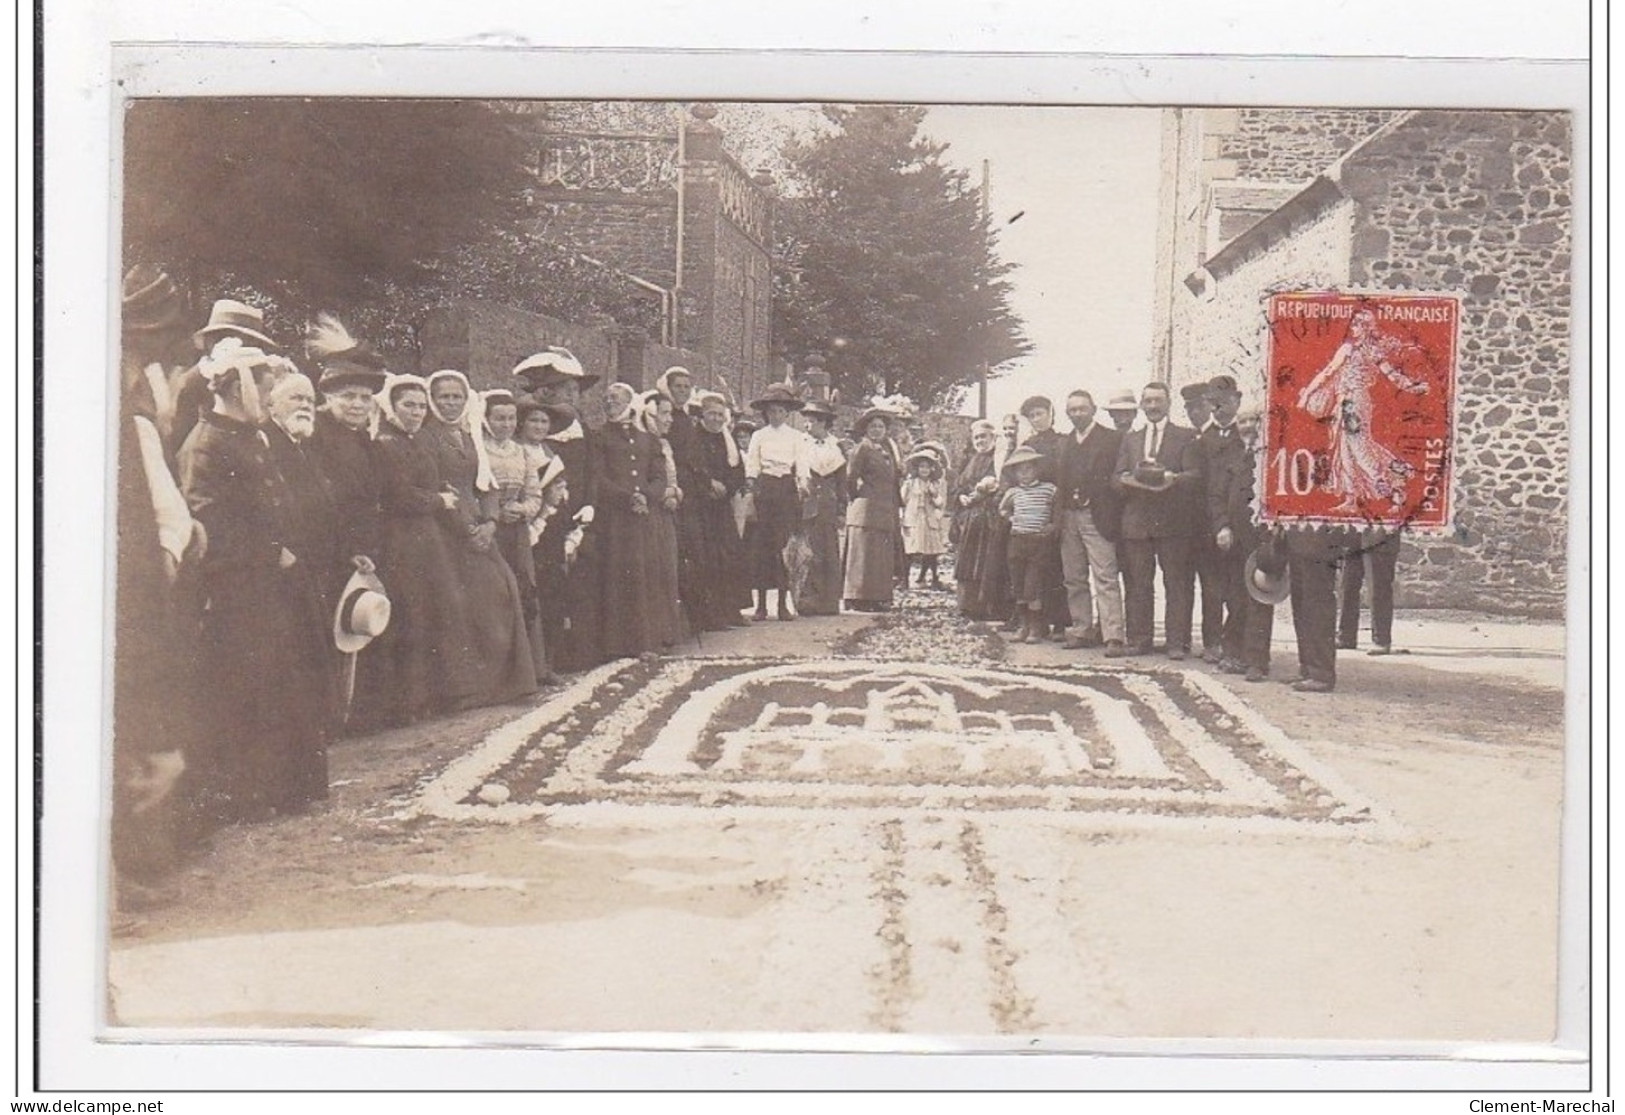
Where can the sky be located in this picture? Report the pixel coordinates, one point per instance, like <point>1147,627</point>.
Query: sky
<point>1084,182</point>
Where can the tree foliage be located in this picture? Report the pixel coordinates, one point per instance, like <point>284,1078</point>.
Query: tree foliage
<point>885,262</point>
<point>376,209</point>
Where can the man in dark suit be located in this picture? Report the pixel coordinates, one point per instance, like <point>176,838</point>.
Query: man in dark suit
<point>1090,516</point>
<point>1040,415</point>
<point>1157,474</point>
<point>1379,547</point>
<point>1314,557</point>
<point>1231,504</point>
<point>1213,567</point>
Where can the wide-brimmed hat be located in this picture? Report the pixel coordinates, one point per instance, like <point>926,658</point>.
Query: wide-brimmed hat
<point>1267,586</point>
<point>230,318</point>
<point>1123,400</point>
<point>149,300</point>
<point>870,415</point>
<point>1197,390</point>
<point>923,454</point>
<point>362,614</point>
<point>817,409</point>
<point>337,374</point>
<point>777,395</point>
<point>1026,454</point>
<point>552,365</point>
<point>343,360</point>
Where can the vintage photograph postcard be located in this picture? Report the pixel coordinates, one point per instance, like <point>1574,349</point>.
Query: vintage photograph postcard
<point>968,571</point>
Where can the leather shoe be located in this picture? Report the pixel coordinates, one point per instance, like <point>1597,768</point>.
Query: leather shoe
<point>1073,642</point>
<point>1213,656</point>
<point>1127,652</point>
<point>1379,650</point>
<point>1232,666</point>
<point>1255,674</point>
<point>1176,654</point>
<point>1313,685</point>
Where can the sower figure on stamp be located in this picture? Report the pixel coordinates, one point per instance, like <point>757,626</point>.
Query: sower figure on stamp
<point>1161,485</point>
<point>1378,549</point>
<point>1251,561</point>
<point>1090,520</point>
<point>1200,406</point>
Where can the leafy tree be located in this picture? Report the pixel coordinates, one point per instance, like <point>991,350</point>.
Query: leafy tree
<point>328,195</point>
<point>885,261</point>
<point>376,209</point>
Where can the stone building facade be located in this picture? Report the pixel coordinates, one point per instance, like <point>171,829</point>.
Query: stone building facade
<point>1470,203</point>
<point>486,339</point>
<point>652,194</point>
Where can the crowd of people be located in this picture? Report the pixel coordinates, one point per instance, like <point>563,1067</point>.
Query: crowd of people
<point>1063,537</point>
<point>324,547</point>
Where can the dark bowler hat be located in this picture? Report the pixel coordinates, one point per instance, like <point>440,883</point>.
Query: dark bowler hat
<point>1223,385</point>
<point>149,300</point>
<point>777,395</point>
<point>1193,391</point>
<point>230,318</point>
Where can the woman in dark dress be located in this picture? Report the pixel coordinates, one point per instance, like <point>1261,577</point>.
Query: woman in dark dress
<point>654,412</point>
<point>721,566</point>
<point>630,475</point>
<point>547,530</point>
<point>975,508</point>
<point>499,645</point>
<point>871,518</point>
<point>263,642</point>
<point>822,514</point>
<point>419,670</point>
<point>342,448</point>
<point>557,383</point>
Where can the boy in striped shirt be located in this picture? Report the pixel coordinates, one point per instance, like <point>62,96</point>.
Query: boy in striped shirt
<point>1030,507</point>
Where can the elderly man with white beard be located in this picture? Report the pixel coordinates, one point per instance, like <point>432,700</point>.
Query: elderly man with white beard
<point>314,531</point>
<point>264,669</point>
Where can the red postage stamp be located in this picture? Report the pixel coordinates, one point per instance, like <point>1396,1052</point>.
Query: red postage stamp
<point>1360,410</point>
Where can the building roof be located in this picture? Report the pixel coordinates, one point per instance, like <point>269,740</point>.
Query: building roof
<point>1320,195</point>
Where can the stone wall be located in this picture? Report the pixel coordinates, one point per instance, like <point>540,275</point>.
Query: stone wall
<point>1474,204</point>
<point>1478,204</point>
<point>658,197</point>
<point>635,233</point>
<point>484,340</point>
<point>1224,330</point>
<point>1294,144</point>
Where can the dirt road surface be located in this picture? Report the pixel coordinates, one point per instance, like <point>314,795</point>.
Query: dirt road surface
<point>1153,851</point>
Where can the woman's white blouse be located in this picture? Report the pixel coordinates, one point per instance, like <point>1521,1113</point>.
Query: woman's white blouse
<point>776,451</point>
